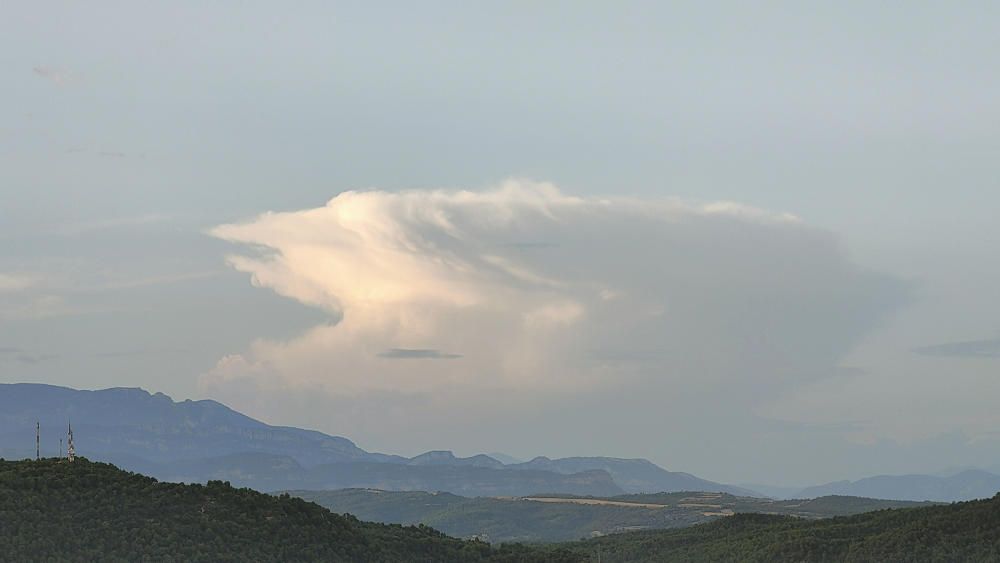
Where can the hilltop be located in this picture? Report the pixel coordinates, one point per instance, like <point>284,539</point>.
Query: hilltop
<point>86,511</point>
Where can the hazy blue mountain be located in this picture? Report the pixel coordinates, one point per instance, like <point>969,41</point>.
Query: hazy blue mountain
<point>965,485</point>
<point>634,475</point>
<point>266,472</point>
<point>195,441</point>
<point>773,491</point>
<point>444,457</point>
<point>127,425</point>
<point>949,471</point>
<point>260,471</point>
<point>504,458</point>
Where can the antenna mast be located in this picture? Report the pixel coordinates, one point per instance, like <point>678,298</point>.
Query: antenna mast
<point>70,448</point>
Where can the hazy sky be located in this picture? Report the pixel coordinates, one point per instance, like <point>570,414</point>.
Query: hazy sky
<point>753,241</point>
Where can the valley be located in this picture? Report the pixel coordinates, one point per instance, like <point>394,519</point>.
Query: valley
<point>553,518</point>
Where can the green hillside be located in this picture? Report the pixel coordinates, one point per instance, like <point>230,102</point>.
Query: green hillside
<point>968,531</point>
<point>554,518</point>
<point>84,511</point>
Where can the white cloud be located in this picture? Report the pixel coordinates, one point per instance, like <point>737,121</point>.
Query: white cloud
<point>16,282</point>
<point>672,301</point>
<point>36,307</point>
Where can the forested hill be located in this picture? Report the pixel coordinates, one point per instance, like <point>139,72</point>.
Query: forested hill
<point>85,511</point>
<point>967,531</point>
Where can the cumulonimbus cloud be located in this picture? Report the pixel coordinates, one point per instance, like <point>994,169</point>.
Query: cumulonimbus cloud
<point>531,290</point>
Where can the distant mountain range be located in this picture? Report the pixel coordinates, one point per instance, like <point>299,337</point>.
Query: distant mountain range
<point>633,475</point>
<point>965,485</point>
<point>197,441</point>
<point>949,486</point>
<point>268,472</point>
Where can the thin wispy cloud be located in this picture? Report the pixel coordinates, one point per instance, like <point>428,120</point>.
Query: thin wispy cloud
<point>530,245</point>
<point>43,306</point>
<point>140,353</point>
<point>59,284</point>
<point>17,282</point>
<point>24,356</point>
<point>58,76</point>
<point>134,221</point>
<point>966,349</point>
<point>164,279</point>
<point>104,153</point>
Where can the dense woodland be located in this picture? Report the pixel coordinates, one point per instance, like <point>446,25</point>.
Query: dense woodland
<point>968,531</point>
<point>53,510</point>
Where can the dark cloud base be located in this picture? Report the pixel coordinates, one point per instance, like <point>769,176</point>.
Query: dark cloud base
<point>416,354</point>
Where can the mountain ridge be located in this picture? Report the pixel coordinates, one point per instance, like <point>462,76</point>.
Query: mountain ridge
<point>635,475</point>
<point>197,441</point>
<point>965,485</point>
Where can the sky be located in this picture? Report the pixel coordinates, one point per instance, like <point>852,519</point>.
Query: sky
<point>752,241</point>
